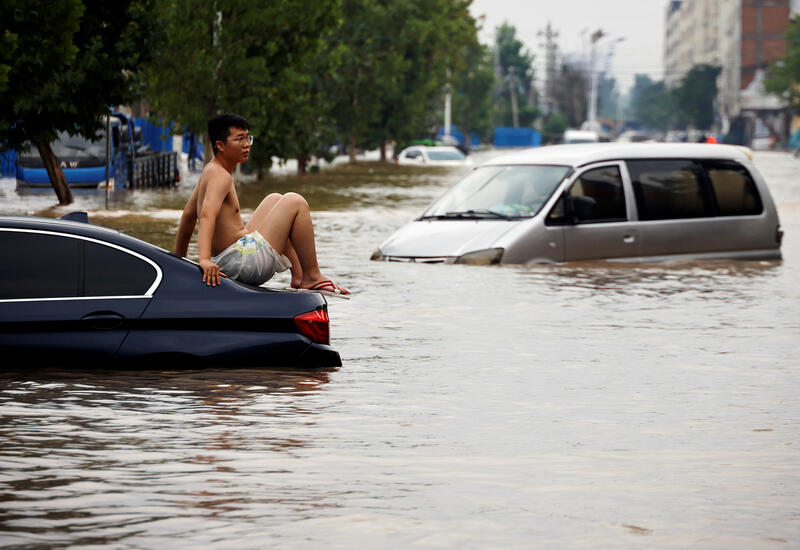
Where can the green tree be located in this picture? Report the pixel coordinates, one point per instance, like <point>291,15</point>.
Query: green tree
<point>553,128</point>
<point>257,59</point>
<point>653,105</point>
<point>784,74</point>
<point>572,95</point>
<point>696,95</point>
<point>69,61</point>
<point>515,104</point>
<point>472,97</point>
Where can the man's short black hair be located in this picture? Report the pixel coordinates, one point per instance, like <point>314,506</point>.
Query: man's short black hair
<point>220,125</point>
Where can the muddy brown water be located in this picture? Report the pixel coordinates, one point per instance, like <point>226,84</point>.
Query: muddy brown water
<point>589,405</point>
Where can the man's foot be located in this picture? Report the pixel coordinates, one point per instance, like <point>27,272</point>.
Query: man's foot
<point>325,286</point>
<point>328,287</point>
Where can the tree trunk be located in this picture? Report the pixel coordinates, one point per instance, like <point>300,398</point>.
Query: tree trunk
<point>302,160</point>
<point>351,148</point>
<point>383,150</point>
<point>54,171</point>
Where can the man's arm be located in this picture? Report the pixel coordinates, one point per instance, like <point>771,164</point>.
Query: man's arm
<point>217,189</point>
<point>187,225</point>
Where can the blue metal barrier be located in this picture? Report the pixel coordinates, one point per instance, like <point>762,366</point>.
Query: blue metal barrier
<point>516,137</point>
<point>8,164</point>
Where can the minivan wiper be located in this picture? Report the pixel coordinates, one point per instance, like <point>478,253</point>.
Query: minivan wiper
<point>481,213</point>
<point>468,215</point>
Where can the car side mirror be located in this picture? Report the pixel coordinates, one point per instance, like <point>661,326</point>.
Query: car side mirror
<point>581,208</point>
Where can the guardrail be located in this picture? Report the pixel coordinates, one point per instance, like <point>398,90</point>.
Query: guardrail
<point>158,169</point>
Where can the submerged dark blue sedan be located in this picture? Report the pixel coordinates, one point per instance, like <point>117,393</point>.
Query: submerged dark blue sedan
<point>72,292</point>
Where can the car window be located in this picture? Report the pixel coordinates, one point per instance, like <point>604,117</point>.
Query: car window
<point>446,155</point>
<point>734,189</point>
<point>669,189</point>
<point>42,265</point>
<point>604,187</point>
<point>112,272</point>
<point>37,265</point>
<point>513,191</point>
<point>413,154</point>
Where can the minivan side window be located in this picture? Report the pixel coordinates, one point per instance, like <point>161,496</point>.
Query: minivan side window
<point>604,187</point>
<point>595,196</point>
<point>734,188</point>
<point>669,189</point>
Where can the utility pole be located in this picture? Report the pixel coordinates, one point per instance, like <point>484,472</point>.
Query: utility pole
<point>592,118</point>
<point>512,86</point>
<point>550,49</point>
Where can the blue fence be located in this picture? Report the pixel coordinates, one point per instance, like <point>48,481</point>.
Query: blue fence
<point>516,137</point>
<point>159,138</point>
<point>8,164</point>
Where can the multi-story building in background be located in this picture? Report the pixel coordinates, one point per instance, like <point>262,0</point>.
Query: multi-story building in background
<point>742,37</point>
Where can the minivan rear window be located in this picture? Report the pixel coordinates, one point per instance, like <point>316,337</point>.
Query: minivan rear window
<point>734,189</point>
<point>669,189</point>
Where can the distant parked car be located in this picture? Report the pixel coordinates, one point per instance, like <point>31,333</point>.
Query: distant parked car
<point>72,292</point>
<point>632,136</point>
<point>439,155</point>
<point>598,201</point>
<point>580,136</point>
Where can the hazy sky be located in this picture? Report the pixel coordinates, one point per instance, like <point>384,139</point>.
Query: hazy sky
<point>639,22</point>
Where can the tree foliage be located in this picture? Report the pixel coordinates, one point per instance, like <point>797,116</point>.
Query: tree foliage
<point>257,59</point>
<point>515,65</point>
<point>472,85</point>
<point>784,74</point>
<point>696,95</point>
<point>70,61</point>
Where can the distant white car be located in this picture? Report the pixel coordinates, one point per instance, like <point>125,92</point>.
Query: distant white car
<point>580,136</point>
<point>438,155</point>
<point>632,136</point>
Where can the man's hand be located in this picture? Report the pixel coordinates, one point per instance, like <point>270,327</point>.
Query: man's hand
<point>211,273</point>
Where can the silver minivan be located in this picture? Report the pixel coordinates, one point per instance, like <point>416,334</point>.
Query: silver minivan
<point>598,201</point>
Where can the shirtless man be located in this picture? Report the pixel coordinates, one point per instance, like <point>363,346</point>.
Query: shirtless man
<point>279,235</point>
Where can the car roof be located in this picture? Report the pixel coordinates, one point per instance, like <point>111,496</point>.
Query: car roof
<point>586,153</point>
<point>76,228</point>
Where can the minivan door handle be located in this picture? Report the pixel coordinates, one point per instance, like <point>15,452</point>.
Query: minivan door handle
<point>104,320</point>
<point>628,239</point>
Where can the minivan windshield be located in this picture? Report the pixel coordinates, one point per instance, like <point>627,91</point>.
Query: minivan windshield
<point>499,192</point>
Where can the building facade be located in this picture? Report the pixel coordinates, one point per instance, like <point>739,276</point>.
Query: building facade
<point>742,37</point>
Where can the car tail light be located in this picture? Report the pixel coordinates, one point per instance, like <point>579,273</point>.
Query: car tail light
<point>315,326</point>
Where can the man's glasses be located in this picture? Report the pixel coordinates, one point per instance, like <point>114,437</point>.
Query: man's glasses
<point>243,140</point>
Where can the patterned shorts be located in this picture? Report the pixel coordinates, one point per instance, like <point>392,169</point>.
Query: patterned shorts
<point>251,260</point>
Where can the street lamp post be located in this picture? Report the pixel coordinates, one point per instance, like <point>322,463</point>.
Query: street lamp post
<point>592,116</point>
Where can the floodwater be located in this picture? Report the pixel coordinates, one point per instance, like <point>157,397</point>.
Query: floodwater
<point>588,405</point>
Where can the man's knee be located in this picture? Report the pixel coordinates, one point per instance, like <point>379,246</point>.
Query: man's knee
<point>296,199</point>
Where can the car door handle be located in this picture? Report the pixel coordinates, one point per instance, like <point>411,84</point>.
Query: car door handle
<point>104,320</point>
<point>628,239</point>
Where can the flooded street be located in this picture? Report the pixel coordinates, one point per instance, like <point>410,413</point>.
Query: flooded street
<point>592,405</point>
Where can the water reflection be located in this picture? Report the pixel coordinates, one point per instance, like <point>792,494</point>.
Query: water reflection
<point>88,456</point>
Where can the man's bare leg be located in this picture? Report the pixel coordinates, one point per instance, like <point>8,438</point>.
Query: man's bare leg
<point>261,212</point>
<point>288,223</point>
